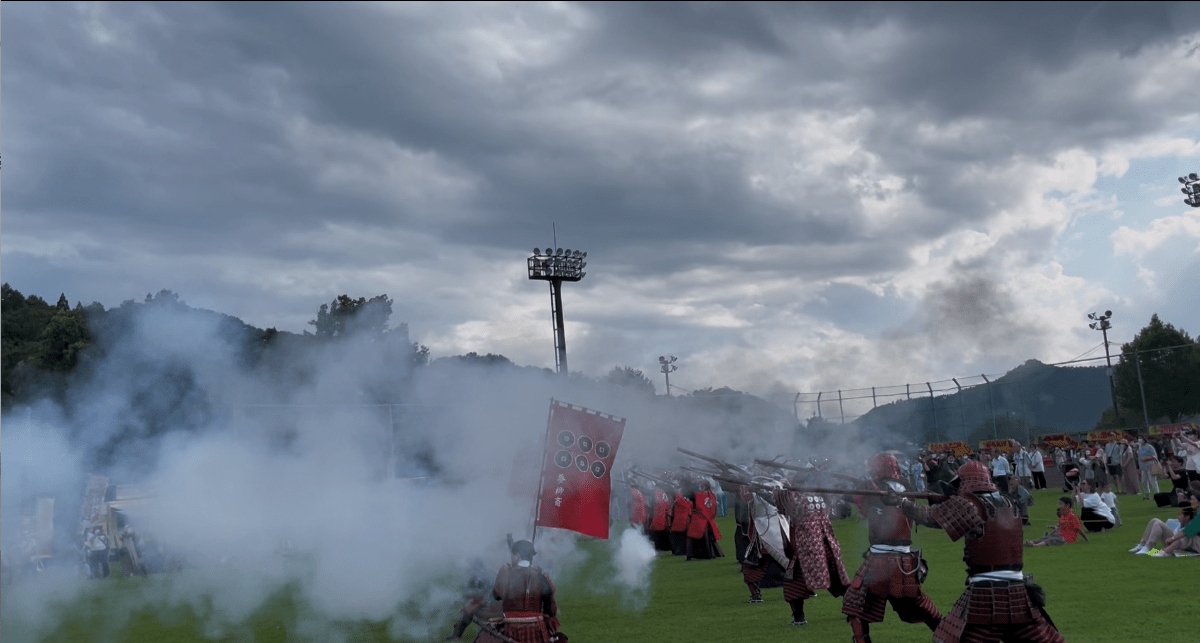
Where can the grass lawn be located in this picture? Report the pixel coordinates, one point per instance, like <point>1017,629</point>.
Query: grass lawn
<point>1097,593</point>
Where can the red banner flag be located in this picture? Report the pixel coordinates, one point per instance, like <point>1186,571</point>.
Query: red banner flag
<point>581,446</point>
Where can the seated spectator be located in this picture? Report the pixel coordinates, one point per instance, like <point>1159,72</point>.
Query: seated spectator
<point>1110,499</point>
<point>1070,478</point>
<point>1094,514</point>
<point>1176,472</point>
<point>1067,531</point>
<point>1185,540</point>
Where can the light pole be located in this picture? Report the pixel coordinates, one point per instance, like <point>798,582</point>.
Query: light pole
<point>668,367</point>
<point>557,266</point>
<point>1191,189</point>
<point>1101,324</point>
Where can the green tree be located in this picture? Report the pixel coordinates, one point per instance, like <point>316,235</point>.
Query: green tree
<point>346,316</point>
<point>22,320</point>
<point>629,379</point>
<point>63,304</point>
<point>61,342</point>
<point>1170,369</point>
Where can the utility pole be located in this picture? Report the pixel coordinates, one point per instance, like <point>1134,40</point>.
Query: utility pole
<point>667,365</point>
<point>1101,324</point>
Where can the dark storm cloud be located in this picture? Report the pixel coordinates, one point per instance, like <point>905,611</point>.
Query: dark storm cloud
<point>185,106</point>
<point>702,148</point>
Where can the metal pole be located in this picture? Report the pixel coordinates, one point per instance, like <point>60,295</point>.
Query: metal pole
<point>873,404</point>
<point>1024,410</point>
<point>1137,359</point>
<point>991,405</point>
<point>911,415</point>
<point>667,374</point>
<point>961,409</point>
<point>819,394</point>
<point>933,411</point>
<point>560,335</point>
<point>841,409</point>
<point>1112,387</point>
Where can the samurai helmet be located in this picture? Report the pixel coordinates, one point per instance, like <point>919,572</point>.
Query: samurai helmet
<point>523,549</point>
<point>885,467</point>
<point>973,476</point>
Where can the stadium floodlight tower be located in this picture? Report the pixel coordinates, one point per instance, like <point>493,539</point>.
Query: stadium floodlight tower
<point>556,266</point>
<point>1191,188</point>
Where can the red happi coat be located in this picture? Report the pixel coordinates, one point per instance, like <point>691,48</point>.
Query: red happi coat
<point>661,520</point>
<point>682,512</point>
<point>704,514</point>
<point>637,509</point>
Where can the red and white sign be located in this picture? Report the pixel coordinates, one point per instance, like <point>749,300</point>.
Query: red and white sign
<point>1172,429</point>
<point>581,446</point>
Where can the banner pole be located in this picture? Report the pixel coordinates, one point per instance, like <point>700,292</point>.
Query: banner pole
<point>537,501</point>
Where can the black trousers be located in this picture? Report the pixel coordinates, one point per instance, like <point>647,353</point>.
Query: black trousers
<point>1093,521</point>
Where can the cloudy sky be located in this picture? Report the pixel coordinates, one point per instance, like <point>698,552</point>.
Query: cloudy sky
<point>786,197</point>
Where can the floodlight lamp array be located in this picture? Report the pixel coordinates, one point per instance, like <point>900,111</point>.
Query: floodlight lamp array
<point>1191,189</point>
<point>557,263</point>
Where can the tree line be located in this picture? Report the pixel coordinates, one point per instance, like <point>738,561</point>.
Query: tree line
<point>44,344</point>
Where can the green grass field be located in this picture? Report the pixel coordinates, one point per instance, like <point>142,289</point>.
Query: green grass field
<point>1097,593</point>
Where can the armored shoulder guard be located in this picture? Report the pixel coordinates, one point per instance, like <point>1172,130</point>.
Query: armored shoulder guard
<point>959,516</point>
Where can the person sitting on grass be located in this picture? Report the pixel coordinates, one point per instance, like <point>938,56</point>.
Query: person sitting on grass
<point>1067,531</point>
<point>1185,540</point>
<point>1095,515</point>
<point>1110,499</point>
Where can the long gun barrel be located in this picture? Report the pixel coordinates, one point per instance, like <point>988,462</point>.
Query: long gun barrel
<point>650,477</point>
<point>792,467</point>
<point>719,463</point>
<point>856,492</point>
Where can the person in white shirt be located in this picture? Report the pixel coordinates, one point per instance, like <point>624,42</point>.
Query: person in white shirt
<point>1095,515</point>
<point>1147,458</point>
<point>1000,471</point>
<point>917,468</point>
<point>1021,465</point>
<point>97,548</point>
<point>1110,499</point>
<point>1037,466</point>
<point>1189,450</point>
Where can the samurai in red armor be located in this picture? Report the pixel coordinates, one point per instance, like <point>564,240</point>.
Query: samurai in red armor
<point>659,528</point>
<point>527,597</point>
<point>702,531</point>
<point>765,559</point>
<point>1000,603</point>
<point>681,514</point>
<point>816,561</point>
<point>891,569</point>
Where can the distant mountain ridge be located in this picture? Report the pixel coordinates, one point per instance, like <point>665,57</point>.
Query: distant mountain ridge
<point>1047,399</point>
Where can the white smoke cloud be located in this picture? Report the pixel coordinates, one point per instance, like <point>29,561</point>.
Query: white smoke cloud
<point>271,478</point>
